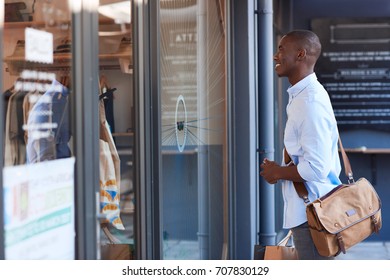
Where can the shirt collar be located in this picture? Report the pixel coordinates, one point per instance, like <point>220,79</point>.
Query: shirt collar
<point>57,87</point>
<point>301,85</point>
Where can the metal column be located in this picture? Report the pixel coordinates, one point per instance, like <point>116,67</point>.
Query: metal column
<point>148,219</point>
<point>203,185</point>
<point>266,116</point>
<point>85,123</point>
<point>2,240</point>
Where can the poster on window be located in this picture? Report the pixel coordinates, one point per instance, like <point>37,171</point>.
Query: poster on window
<point>354,67</point>
<point>39,210</point>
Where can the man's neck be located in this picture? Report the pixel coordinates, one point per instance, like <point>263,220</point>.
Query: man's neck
<point>300,76</point>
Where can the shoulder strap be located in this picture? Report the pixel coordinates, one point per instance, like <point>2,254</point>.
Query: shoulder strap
<point>300,186</point>
<point>347,164</point>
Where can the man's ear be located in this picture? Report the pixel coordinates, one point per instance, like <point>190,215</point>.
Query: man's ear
<point>301,54</point>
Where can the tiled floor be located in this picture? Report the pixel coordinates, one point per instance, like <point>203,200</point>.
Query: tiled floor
<point>189,250</point>
<point>368,251</point>
<point>364,251</point>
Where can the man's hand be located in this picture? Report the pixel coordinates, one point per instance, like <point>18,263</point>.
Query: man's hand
<point>269,171</point>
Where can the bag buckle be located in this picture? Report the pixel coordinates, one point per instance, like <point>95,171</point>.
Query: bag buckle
<point>375,222</point>
<point>350,178</point>
<point>340,242</point>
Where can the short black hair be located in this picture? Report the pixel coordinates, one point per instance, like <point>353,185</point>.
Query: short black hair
<point>308,40</point>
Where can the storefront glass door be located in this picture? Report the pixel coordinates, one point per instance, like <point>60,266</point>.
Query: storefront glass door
<point>38,174</point>
<point>116,95</point>
<point>193,129</point>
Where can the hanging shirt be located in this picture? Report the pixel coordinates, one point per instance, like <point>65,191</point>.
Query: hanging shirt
<point>48,126</point>
<point>311,139</point>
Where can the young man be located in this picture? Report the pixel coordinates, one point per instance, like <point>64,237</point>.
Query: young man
<point>310,136</point>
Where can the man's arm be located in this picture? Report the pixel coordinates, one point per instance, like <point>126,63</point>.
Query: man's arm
<point>272,172</point>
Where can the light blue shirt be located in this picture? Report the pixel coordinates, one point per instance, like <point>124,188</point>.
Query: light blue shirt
<point>311,139</point>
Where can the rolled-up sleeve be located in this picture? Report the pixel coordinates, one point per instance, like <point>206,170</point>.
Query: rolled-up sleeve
<point>316,142</point>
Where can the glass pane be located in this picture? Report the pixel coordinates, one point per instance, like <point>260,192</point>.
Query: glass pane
<point>193,121</point>
<point>117,127</point>
<point>38,174</point>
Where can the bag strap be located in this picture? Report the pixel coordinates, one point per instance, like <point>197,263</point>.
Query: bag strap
<point>111,238</point>
<point>285,239</point>
<point>347,164</point>
<point>300,186</point>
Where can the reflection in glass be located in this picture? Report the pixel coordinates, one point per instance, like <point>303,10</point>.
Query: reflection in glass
<point>37,52</point>
<point>38,179</point>
<point>193,117</point>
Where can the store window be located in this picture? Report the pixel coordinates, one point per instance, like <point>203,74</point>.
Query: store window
<point>194,134</point>
<point>117,199</point>
<point>38,174</point>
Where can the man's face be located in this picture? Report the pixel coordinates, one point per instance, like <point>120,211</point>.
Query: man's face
<point>286,58</point>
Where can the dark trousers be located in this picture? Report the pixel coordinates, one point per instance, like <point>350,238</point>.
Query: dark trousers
<point>305,245</point>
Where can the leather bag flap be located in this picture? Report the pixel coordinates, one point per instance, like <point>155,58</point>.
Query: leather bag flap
<point>347,205</point>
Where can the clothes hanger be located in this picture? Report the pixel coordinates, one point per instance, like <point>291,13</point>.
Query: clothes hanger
<point>103,84</point>
<point>106,93</point>
<point>104,88</point>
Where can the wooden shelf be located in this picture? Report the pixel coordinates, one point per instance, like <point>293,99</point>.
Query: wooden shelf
<point>24,24</point>
<point>66,57</point>
<point>363,150</point>
<point>123,134</point>
<point>176,152</point>
<point>125,152</point>
<point>61,61</point>
<point>21,59</point>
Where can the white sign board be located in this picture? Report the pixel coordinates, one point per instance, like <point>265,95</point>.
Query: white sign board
<point>39,46</point>
<point>39,210</point>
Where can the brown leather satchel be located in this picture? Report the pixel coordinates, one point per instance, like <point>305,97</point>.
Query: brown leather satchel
<point>345,216</point>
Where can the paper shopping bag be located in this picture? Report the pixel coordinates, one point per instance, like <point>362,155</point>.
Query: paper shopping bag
<point>276,252</point>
